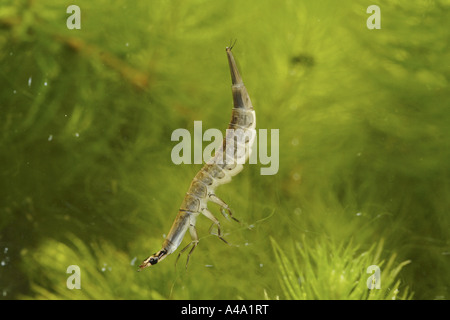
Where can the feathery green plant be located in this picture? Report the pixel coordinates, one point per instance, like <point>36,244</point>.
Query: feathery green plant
<point>106,273</point>
<point>86,118</point>
<point>324,270</point>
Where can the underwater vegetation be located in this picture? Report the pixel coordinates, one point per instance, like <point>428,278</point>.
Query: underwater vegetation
<point>358,209</point>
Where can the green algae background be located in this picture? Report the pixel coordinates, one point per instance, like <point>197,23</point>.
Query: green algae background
<point>86,177</point>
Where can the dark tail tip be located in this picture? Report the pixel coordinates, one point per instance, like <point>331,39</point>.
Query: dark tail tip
<point>231,46</point>
<point>235,76</point>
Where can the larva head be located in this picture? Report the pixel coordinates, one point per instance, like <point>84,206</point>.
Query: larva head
<point>153,259</point>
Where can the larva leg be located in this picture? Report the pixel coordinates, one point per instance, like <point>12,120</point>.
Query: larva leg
<point>193,243</point>
<point>223,206</point>
<point>216,222</point>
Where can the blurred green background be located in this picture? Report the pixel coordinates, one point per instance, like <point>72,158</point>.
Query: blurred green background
<point>86,176</point>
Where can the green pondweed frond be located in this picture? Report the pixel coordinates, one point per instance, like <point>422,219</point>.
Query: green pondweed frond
<point>322,270</point>
<point>266,296</point>
<point>102,272</point>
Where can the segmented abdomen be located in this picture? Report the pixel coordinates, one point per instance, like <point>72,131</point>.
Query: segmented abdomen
<point>236,147</point>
